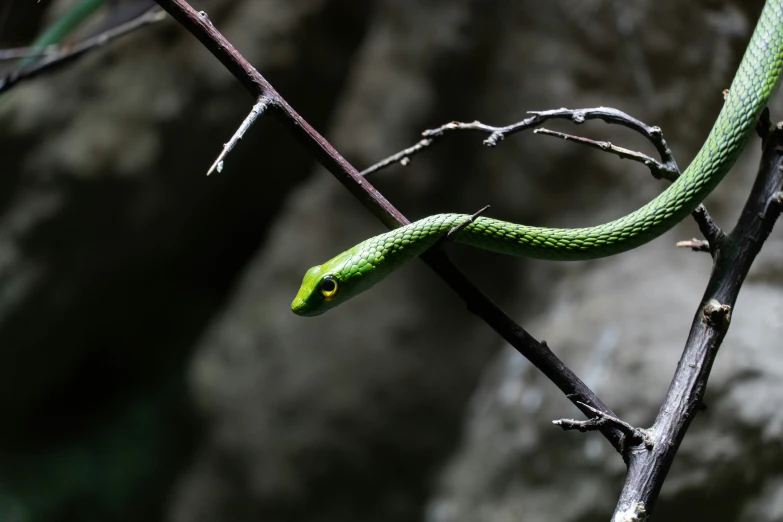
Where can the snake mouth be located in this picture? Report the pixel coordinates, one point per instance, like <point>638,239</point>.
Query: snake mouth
<point>299,307</point>
<point>304,308</point>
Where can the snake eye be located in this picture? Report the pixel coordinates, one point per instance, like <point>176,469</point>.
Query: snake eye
<point>328,286</point>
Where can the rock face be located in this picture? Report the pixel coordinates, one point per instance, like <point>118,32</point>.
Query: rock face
<point>165,294</point>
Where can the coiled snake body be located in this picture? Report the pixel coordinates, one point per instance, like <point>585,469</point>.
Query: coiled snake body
<point>360,267</point>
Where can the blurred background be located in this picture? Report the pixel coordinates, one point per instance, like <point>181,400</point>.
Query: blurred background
<point>151,368</point>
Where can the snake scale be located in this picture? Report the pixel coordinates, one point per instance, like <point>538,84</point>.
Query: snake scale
<point>357,269</point>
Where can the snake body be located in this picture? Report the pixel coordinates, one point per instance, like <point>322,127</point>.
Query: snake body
<point>360,267</point>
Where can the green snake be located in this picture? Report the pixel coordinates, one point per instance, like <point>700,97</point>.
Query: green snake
<point>357,269</point>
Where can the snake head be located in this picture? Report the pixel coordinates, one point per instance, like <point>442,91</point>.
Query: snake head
<point>359,268</point>
<point>341,278</point>
<point>319,288</point>
<point>330,284</point>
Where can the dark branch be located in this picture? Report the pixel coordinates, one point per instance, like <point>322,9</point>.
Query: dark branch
<point>66,55</point>
<point>477,302</point>
<point>711,231</point>
<point>658,169</point>
<point>733,256</point>
<point>632,435</point>
<point>764,125</point>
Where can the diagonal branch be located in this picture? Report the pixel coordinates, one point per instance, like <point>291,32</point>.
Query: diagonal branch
<point>477,302</point>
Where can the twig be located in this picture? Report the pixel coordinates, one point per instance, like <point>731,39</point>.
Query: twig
<point>709,229</point>
<point>26,52</point>
<point>668,166</point>
<point>658,169</point>
<point>697,245</point>
<point>71,53</point>
<point>403,157</point>
<point>632,434</point>
<point>255,112</point>
<point>733,255</point>
<point>538,353</point>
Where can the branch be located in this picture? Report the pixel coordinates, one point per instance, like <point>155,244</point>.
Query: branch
<point>632,434</point>
<point>659,170</point>
<point>257,110</point>
<point>538,353</point>
<point>666,168</point>
<point>66,55</point>
<point>709,229</point>
<point>733,256</point>
<point>26,52</point>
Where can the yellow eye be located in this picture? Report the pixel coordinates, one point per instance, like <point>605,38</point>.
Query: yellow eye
<point>328,286</point>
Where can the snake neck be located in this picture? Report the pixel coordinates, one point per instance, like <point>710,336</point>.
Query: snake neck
<point>387,252</point>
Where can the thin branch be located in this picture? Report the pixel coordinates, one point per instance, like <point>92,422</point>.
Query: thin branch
<point>538,353</point>
<point>403,157</point>
<point>696,245</point>
<point>668,168</point>
<point>632,434</point>
<point>733,256</point>
<point>658,169</point>
<point>26,52</point>
<point>255,112</point>
<point>68,54</point>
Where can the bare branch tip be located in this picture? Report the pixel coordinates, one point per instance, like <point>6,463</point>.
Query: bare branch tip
<point>696,245</point>
<point>470,219</point>
<point>632,433</point>
<point>258,108</point>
